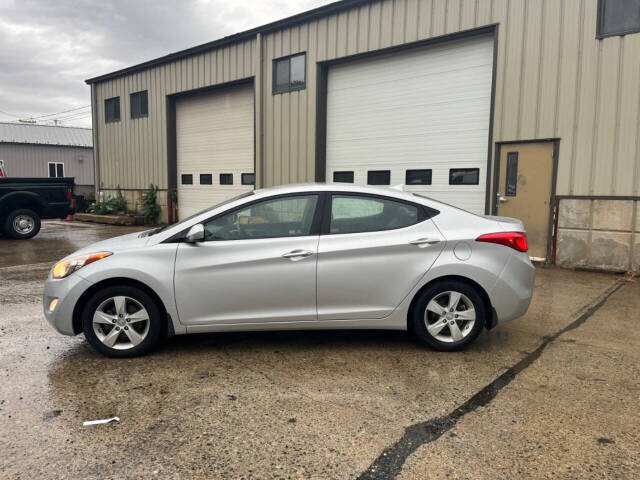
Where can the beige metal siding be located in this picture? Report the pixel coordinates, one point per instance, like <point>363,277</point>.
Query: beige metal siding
<point>22,160</point>
<point>553,79</point>
<point>133,152</point>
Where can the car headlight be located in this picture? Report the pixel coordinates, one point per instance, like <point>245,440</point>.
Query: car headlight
<point>67,267</point>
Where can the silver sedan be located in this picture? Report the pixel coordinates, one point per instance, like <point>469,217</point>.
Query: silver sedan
<point>298,257</point>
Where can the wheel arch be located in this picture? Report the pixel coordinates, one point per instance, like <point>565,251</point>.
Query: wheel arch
<point>16,200</point>
<point>118,281</point>
<point>490,313</point>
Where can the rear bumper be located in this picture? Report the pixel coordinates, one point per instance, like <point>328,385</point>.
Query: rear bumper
<point>511,295</point>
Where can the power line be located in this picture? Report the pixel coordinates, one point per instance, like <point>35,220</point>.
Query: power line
<point>9,114</point>
<point>58,113</point>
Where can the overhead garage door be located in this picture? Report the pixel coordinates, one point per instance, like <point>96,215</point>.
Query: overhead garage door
<point>214,142</point>
<point>419,118</point>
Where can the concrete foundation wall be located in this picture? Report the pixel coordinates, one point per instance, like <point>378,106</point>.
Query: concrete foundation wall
<point>602,234</point>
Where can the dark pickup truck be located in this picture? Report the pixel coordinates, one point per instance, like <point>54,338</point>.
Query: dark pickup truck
<point>24,201</point>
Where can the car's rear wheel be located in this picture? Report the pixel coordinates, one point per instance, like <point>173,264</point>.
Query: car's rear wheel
<point>22,224</point>
<point>448,315</point>
<point>122,321</point>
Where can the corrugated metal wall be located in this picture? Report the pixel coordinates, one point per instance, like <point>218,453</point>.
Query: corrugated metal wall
<point>133,152</point>
<point>554,79</point>
<point>22,160</point>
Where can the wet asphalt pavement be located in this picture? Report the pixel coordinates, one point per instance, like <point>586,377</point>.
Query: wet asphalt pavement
<point>555,394</point>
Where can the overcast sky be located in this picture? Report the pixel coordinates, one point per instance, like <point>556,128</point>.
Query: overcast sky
<point>49,47</point>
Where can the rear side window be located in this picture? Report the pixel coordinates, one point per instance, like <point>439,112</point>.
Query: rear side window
<point>355,214</point>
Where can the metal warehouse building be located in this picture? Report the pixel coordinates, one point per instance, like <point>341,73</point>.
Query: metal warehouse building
<point>525,108</point>
<point>48,151</point>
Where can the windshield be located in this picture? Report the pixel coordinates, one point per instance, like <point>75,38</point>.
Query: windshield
<point>232,199</point>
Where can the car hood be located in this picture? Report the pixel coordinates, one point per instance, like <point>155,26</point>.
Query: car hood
<point>116,244</point>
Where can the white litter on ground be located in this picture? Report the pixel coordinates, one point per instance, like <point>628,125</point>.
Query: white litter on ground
<point>100,422</point>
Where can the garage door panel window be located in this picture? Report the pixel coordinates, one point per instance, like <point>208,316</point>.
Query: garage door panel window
<point>418,177</point>
<point>186,179</point>
<point>379,177</point>
<point>206,179</point>
<point>356,214</point>
<point>343,177</point>
<point>464,176</point>
<point>282,217</point>
<point>289,73</point>
<point>226,179</point>
<point>248,179</point>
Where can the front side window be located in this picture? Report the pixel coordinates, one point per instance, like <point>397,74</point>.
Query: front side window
<point>290,216</point>
<point>289,73</point>
<point>354,214</point>
<point>56,170</point>
<point>112,110</point>
<point>139,104</point>
<point>618,17</point>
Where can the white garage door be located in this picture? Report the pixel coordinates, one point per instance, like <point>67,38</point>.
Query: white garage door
<point>419,117</point>
<point>214,142</point>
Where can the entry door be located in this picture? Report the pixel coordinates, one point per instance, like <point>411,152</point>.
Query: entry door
<point>524,190</point>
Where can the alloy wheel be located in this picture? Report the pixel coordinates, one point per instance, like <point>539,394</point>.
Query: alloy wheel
<point>449,316</point>
<point>121,322</point>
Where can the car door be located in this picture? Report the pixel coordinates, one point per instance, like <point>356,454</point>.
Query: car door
<point>372,252</point>
<point>256,264</point>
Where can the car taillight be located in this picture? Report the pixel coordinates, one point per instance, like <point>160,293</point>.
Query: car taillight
<point>69,194</point>
<point>515,240</point>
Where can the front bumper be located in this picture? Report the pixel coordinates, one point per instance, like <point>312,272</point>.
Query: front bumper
<point>511,295</point>
<point>67,291</point>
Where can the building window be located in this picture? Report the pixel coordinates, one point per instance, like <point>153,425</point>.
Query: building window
<point>139,104</point>
<point>379,177</point>
<point>56,170</point>
<point>618,17</point>
<point>464,176</point>
<point>112,110</point>
<point>206,179</point>
<point>512,174</point>
<point>418,177</point>
<point>186,179</point>
<point>343,177</point>
<point>226,179</point>
<point>248,178</point>
<point>289,73</point>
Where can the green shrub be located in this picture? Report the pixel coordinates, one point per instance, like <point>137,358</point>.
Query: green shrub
<point>117,204</point>
<point>150,207</point>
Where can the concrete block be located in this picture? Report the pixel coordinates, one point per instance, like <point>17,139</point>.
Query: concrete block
<point>574,213</point>
<point>610,251</point>
<point>612,214</point>
<point>572,248</point>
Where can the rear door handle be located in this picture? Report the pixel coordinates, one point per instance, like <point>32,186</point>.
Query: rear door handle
<point>297,254</point>
<point>424,241</point>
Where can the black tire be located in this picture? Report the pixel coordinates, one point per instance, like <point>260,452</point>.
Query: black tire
<point>10,228</point>
<point>153,335</point>
<point>470,332</point>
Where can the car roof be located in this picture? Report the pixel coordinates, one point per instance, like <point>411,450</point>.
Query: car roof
<point>334,187</point>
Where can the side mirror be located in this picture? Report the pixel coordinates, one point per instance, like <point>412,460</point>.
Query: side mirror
<point>195,234</point>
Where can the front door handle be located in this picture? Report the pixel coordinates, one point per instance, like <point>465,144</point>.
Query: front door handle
<point>297,254</point>
<point>424,241</point>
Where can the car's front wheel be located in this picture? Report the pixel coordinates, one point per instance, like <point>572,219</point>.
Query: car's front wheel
<point>122,321</point>
<point>448,315</point>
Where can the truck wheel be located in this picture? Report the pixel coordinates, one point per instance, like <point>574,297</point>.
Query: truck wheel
<point>22,224</point>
